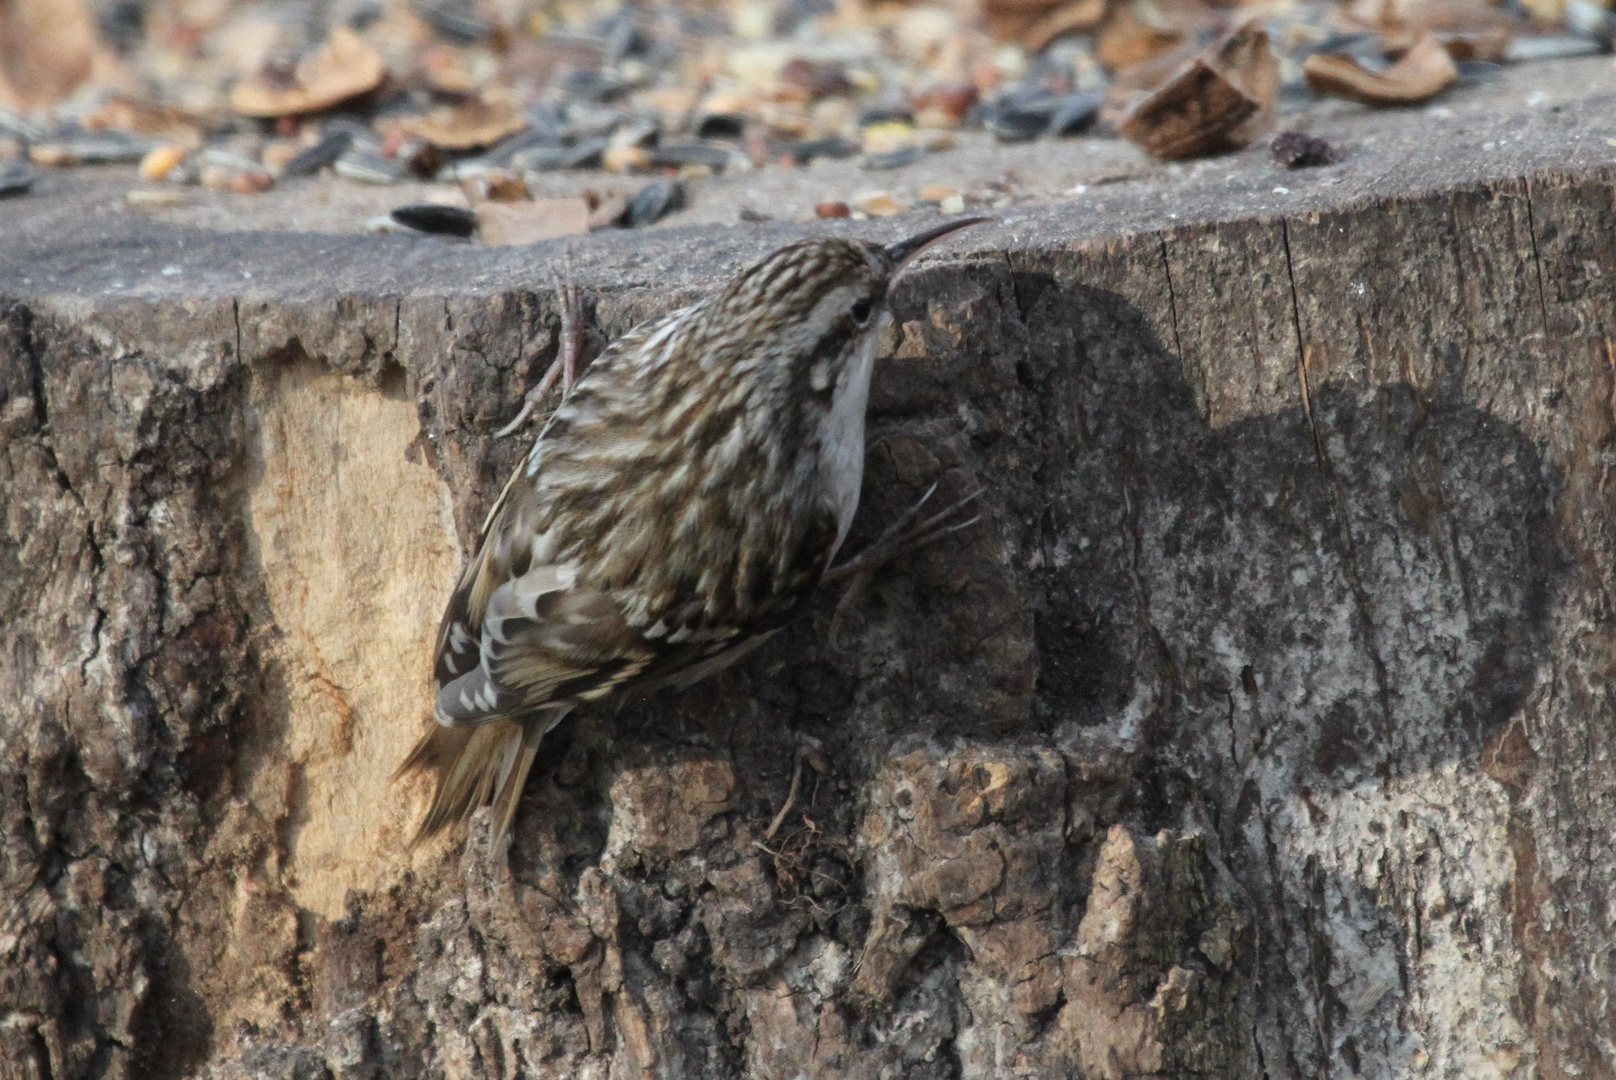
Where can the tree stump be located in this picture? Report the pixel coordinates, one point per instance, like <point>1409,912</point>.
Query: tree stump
<point>1261,727</point>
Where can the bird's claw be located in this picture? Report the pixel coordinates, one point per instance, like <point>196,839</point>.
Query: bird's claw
<point>565,366</point>
<point>899,538</point>
<point>903,536</point>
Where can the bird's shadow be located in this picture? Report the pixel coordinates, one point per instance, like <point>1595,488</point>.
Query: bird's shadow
<point>1369,578</point>
<point>1304,601</point>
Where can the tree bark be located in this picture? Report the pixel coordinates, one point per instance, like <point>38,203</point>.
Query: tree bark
<point>1261,726</point>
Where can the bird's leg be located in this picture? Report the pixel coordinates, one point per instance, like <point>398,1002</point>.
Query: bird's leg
<point>904,536</point>
<point>572,324</point>
<point>899,538</point>
<point>565,366</point>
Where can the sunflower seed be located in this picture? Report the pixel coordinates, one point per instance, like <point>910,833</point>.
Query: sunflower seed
<point>437,219</point>
<point>368,167</point>
<point>721,126</point>
<point>653,202</point>
<point>691,153</point>
<point>314,158</point>
<point>454,21</point>
<point>832,146</point>
<point>893,159</point>
<point>585,154</point>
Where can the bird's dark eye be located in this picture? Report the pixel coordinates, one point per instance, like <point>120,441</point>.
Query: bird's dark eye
<point>862,310</point>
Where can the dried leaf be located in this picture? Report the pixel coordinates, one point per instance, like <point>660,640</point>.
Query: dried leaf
<point>1008,20</point>
<point>47,48</point>
<point>1488,45</point>
<point>810,80</point>
<point>344,67</point>
<point>1134,84</point>
<point>119,113</point>
<point>504,188</point>
<point>1218,101</point>
<point>1423,72</point>
<point>1077,17</point>
<point>1245,59</point>
<point>529,222</point>
<point>467,126</point>
<point>1468,29</point>
<point>1135,33</point>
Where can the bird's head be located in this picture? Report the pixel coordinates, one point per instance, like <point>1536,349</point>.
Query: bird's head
<point>799,318</point>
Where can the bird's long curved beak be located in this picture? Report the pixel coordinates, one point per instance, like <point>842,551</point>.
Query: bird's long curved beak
<point>905,251</point>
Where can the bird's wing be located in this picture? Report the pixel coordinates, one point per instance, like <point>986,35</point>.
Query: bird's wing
<point>542,640</point>
<point>460,631</point>
<point>512,644</point>
<point>519,638</point>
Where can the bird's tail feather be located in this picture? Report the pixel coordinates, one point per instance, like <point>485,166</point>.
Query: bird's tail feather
<point>473,764</point>
<point>513,770</point>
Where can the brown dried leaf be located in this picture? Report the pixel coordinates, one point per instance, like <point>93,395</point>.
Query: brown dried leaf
<point>528,222</point>
<point>47,48</point>
<point>1468,29</point>
<point>1135,33</point>
<point>809,80</point>
<point>344,67</point>
<point>467,126</point>
<point>166,122</point>
<point>1423,72</point>
<point>1008,20</point>
<point>1033,8</point>
<point>1486,45</point>
<point>1077,17</point>
<point>1218,101</point>
<point>1245,59</point>
<point>504,188</point>
<point>1135,84</point>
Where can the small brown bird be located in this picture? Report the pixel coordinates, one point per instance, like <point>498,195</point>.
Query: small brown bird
<point>683,502</point>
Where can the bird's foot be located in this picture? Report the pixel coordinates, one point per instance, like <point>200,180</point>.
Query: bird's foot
<point>565,366</point>
<point>898,539</point>
<point>904,536</point>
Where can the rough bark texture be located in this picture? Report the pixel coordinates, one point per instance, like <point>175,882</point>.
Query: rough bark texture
<point>1260,728</point>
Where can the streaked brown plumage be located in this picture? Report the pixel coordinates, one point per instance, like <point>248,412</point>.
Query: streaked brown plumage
<point>680,506</point>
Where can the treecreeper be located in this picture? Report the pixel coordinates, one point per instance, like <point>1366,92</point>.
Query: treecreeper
<point>683,502</point>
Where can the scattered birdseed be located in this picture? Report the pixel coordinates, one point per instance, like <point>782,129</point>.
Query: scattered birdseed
<point>450,90</point>
<point>160,162</point>
<point>653,202</point>
<point>437,219</point>
<point>879,204</point>
<point>325,152</point>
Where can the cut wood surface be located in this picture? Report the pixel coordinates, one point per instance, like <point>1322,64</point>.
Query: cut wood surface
<point>1261,728</point>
